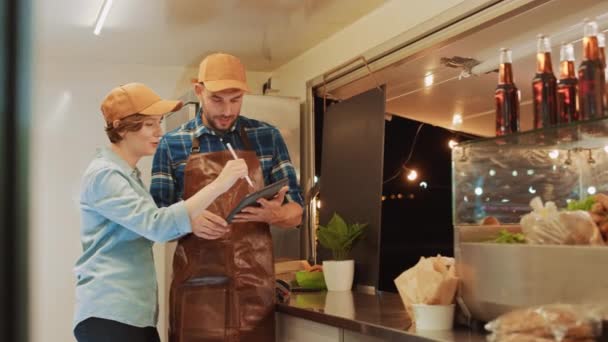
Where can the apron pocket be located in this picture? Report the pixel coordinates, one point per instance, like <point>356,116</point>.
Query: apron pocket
<point>203,302</point>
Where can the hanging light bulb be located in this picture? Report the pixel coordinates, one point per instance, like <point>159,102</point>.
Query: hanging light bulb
<point>428,79</point>
<point>554,154</point>
<point>457,119</point>
<point>452,143</point>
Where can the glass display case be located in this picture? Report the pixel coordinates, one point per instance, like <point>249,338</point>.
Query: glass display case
<point>499,176</point>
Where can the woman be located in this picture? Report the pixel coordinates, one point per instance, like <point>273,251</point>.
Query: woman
<point>116,287</point>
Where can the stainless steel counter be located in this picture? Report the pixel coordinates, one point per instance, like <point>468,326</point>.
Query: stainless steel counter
<point>382,316</point>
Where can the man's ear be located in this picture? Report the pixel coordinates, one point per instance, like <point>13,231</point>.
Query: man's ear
<point>115,123</point>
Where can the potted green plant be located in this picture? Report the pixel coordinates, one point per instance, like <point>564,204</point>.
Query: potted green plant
<point>339,237</point>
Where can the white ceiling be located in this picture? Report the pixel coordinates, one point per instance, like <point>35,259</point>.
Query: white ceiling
<point>473,97</point>
<point>264,33</point>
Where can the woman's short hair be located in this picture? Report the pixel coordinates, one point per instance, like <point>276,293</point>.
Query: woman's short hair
<point>131,123</point>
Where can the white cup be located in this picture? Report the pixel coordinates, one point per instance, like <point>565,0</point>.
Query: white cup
<point>433,317</point>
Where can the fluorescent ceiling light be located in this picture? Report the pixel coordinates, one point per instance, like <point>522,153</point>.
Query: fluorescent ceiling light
<point>101,17</point>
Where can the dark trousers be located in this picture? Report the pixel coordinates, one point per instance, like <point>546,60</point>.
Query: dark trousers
<point>104,330</point>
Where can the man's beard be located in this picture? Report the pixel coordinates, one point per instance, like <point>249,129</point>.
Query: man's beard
<point>216,129</point>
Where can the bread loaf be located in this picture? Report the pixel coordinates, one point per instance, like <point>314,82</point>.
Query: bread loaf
<point>548,322</point>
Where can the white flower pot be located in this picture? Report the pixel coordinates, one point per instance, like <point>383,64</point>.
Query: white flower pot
<point>339,274</point>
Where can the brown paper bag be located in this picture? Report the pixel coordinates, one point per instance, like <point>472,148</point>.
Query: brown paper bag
<point>431,281</point>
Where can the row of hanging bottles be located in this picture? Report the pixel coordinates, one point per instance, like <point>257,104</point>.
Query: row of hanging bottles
<point>556,101</point>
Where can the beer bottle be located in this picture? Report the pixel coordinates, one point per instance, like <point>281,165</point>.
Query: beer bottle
<point>567,86</point>
<point>506,97</point>
<point>591,76</point>
<point>544,86</point>
<point>601,43</point>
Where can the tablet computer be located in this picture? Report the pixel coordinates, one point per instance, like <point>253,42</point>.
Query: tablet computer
<point>266,192</point>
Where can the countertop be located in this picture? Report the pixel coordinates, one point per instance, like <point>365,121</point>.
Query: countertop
<point>379,315</point>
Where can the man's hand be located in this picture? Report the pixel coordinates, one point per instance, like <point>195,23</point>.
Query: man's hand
<point>209,226</point>
<point>268,212</point>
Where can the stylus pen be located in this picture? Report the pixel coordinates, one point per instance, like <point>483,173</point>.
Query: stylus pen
<point>235,157</point>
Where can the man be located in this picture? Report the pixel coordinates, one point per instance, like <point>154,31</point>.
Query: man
<point>224,289</point>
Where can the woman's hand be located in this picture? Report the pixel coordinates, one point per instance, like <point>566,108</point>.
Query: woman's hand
<point>209,226</point>
<point>233,171</point>
<point>197,203</point>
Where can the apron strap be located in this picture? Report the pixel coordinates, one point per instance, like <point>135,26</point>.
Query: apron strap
<point>245,138</point>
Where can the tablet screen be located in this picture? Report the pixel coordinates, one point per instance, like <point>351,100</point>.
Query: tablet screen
<point>266,192</point>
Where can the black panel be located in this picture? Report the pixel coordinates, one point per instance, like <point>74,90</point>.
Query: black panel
<point>14,127</point>
<point>351,174</point>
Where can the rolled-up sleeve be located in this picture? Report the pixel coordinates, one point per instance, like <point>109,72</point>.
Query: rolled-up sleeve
<point>283,168</point>
<point>162,186</point>
<point>113,197</point>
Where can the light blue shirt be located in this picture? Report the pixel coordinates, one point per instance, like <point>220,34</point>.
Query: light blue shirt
<point>115,275</point>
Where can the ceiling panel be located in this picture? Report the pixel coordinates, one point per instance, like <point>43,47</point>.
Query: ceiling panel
<point>473,96</point>
<point>264,33</point>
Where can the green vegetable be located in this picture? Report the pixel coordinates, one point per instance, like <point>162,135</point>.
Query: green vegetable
<point>311,280</point>
<point>584,204</point>
<point>339,236</point>
<point>506,236</point>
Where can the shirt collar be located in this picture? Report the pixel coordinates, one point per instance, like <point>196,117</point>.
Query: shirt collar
<point>109,154</point>
<point>201,129</point>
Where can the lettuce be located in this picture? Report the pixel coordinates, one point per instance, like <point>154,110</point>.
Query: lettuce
<point>584,204</point>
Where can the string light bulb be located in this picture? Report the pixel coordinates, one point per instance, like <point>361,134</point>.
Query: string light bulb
<point>412,175</point>
<point>452,143</point>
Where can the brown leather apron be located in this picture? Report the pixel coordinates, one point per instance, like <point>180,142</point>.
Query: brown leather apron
<point>223,290</point>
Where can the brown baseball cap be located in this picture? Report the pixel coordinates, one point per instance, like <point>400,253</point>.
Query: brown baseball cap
<point>221,71</point>
<point>135,98</point>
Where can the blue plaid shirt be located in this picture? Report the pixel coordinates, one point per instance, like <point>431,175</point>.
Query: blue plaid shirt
<point>174,149</point>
